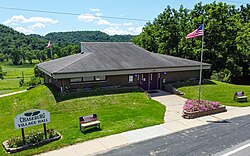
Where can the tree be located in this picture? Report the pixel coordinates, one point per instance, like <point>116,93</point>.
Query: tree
<point>243,45</point>
<point>226,41</point>
<point>15,56</point>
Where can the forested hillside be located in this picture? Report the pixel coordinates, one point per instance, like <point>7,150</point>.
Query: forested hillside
<point>226,40</point>
<point>86,36</point>
<point>20,48</point>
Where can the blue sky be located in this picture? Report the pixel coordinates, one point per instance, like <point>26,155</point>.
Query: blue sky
<point>88,14</point>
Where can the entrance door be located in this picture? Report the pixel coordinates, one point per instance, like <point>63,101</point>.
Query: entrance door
<point>144,81</point>
<point>153,81</point>
<point>149,81</point>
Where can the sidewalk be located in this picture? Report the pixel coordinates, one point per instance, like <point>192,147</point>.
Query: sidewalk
<point>12,93</point>
<point>173,123</point>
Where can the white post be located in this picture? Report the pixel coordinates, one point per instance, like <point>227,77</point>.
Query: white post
<point>199,96</point>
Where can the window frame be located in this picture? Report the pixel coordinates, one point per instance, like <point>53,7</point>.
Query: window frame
<point>102,76</point>
<point>130,77</point>
<point>74,81</point>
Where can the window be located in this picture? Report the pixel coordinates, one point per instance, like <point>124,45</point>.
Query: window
<point>100,78</point>
<point>130,79</point>
<point>79,79</point>
<point>88,78</point>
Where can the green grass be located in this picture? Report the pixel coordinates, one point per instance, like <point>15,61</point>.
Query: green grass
<point>215,91</point>
<point>10,83</point>
<point>118,111</point>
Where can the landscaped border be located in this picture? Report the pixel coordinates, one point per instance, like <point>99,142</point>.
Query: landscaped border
<point>195,114</point>
<point>29,146</point>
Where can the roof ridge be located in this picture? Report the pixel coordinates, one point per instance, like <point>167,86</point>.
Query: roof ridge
<point>83,55</point>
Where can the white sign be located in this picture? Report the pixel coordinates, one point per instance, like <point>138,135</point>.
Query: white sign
<point>31,118</point>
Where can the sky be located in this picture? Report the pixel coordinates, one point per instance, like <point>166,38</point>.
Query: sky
<point>109,16</point>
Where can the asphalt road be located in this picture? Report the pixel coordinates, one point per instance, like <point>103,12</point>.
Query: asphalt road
<point>204,140</point>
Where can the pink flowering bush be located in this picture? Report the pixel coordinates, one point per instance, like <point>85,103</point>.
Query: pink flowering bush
<point>195,105</point>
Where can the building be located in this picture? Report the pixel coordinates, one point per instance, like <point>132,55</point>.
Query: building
<point>104,64</point>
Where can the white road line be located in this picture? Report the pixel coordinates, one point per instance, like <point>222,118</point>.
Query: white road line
<point>236,150</point>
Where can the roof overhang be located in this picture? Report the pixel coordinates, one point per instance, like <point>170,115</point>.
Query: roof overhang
<point>123,72</point>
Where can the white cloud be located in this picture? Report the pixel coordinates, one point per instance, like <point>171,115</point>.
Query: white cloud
<point>135,30</point>
<point>103,22</point>
<point>22,19</point>
<point>98,14</point>
<point>120,31</point>
<point>24,30</point>
<point>115,31</point>
<point>113,28</point>
<point>87,17</point>
<point>94,9</point>
<point>106,22</point>
<point>128,24</point>
<point>37,26</point>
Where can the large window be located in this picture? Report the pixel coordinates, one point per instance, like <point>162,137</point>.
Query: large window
<point>88,78</point>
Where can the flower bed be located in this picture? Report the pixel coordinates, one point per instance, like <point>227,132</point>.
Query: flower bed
<point>195,108</point>
<point>33,139</point>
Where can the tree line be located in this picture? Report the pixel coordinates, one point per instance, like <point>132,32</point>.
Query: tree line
<point>18,48</point>
<point>226,40</point>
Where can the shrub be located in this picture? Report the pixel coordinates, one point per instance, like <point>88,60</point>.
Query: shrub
<point>37,72</point>
<point>21,82</point>
<point>223,76</point>
<point>34,81</point>
<point>195,105</point>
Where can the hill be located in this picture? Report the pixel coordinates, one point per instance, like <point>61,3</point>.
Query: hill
<point>20,48</point>
<point>85,36</point>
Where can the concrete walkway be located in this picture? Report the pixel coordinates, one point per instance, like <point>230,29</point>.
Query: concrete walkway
<point>12,93</point>
<point>173,123</point>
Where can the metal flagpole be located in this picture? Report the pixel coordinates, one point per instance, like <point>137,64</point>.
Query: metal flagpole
<point>51,54</point>
<point>203,27</point>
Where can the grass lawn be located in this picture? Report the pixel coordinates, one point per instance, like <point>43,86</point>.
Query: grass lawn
<point>118,111</point>
<point>10,83</point>
<point>215,91</point>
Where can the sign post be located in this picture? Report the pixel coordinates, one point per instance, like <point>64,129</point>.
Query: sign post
<point>23,136</point>
<point>31,118</point>
<point>45,132</point>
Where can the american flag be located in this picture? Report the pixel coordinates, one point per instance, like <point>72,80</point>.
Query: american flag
<point>196,33</point>
<point>49,45</point>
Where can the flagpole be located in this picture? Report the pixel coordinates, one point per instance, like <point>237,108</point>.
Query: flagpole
<point>51,54</point>
<point>199,92</point>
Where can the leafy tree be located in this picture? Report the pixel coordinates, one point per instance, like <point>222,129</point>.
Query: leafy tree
<point>226,41</point>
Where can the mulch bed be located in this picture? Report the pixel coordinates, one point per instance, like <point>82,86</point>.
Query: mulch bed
<point>29,146</point>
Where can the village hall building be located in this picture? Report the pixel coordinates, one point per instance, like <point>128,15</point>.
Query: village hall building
<point>117,64</point>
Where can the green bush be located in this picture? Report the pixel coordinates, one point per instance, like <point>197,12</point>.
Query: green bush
<point>15,142</point>
<point>224,75</point>
<point>34,137</point>
<point>21,82</point>
<point>34,81</point>
<point>37,72</point>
